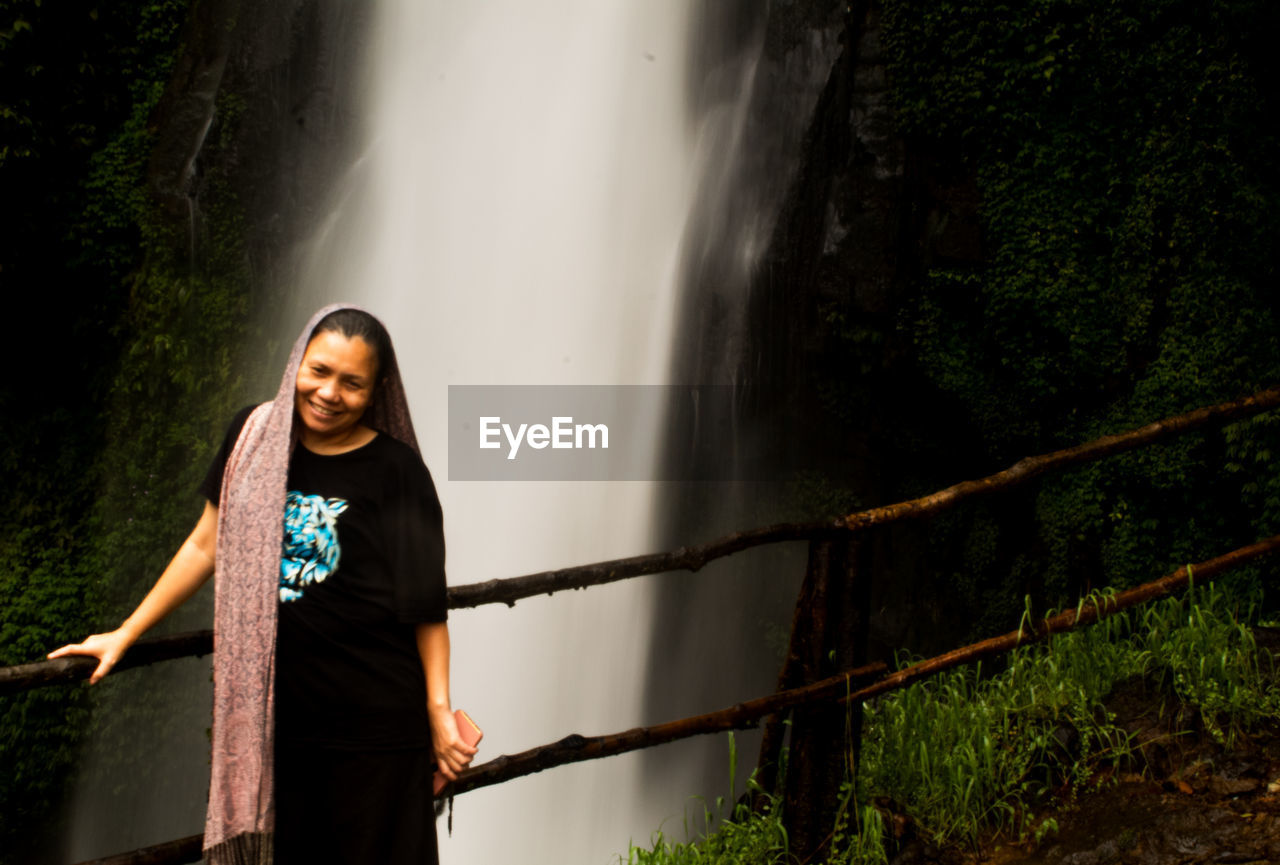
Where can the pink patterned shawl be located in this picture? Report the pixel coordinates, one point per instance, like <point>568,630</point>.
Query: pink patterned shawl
<point>241,816</point>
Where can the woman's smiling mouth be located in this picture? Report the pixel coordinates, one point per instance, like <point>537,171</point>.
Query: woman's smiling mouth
<point>322,411</point>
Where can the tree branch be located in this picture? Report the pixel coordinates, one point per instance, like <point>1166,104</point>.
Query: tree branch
<point>508,591</point>
<point>1086,614</point>
<point>178,852</point>
<point>149,650</point>
<point>576,748</point>
<point>1032,467</point>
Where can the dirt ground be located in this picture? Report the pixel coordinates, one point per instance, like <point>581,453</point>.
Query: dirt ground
<point>1185,800</point>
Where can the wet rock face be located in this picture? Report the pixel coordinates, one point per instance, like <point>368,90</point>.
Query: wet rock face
<point>299,68</point>
<point>792,229</point>
<point>264,109</point>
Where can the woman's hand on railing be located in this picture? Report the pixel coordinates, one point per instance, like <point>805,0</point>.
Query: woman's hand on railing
<point>186,573</point>
<point>107,648</point>
<point>452,753</point>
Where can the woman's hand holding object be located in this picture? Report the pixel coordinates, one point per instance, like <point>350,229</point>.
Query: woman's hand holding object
<point>452,753</point>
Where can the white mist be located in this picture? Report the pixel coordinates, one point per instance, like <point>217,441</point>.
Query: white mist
<point>515,218</point>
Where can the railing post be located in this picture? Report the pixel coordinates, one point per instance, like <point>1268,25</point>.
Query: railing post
<point>790,675</point>
<point>825,738</point>
<point>866,682</point>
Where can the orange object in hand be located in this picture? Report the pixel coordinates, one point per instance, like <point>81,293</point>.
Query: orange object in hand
<point>470,733</point>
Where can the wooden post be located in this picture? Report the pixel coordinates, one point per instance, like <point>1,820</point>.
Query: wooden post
<point>825,737</point>
<point>577,748</point>
<point>790,676</point>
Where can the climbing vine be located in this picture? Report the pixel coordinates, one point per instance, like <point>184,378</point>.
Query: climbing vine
<point>1128,206</point>
<point>141,316</point>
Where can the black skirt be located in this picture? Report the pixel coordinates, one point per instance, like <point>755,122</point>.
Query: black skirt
<point>354,807</point>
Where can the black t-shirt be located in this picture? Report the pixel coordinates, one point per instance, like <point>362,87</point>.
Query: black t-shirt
<point>362,563</point>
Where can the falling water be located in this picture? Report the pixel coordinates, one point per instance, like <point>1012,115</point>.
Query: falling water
<point>516,219</point>
<point>531,185</point>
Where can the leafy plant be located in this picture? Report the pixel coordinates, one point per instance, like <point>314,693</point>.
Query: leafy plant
<point>115,418</point>
<point>729,835</point>
<point>967,753</point>
<point>1202,651</point>
<point>1118,156</point>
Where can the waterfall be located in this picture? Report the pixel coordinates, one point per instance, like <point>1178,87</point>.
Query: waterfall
<point>520,209</point>
<point>516,218</point>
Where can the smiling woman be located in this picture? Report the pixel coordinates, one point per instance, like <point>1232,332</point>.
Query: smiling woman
<point>337,381</point>
<point>335,385</point>
<point>331,663</point>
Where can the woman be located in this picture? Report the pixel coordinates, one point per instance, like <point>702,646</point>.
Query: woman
<point>331,661</point>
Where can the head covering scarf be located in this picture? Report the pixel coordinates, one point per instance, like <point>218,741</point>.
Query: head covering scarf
<point>241,816</point>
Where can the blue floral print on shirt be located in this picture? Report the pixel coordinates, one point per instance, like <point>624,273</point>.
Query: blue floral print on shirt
<point>311,549</point>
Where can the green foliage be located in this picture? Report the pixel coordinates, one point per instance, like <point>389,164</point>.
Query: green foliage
<point>67,70</point>
<point>815,495</point>
<point>39,731</point>
<point>739,835</point>
<point>135,381</point>
<point>1123,154</point>
<point>967,754</point>
<point>860,841</point>
<point>71,76</point>
<point>742,836</point>
<point>1202,651</point>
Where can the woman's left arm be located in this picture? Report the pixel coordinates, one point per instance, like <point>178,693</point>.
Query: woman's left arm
<point>452,754</point>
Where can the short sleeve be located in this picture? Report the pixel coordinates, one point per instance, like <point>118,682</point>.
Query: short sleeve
<point>416,542</point>
<point>211,486</point>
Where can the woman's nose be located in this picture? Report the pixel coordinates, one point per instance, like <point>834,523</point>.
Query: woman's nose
<point>327,390</point>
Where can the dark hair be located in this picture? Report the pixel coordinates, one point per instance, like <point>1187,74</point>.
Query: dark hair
<point>353,323</point>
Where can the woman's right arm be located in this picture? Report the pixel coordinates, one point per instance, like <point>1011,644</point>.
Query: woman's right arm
<point>187,572</point>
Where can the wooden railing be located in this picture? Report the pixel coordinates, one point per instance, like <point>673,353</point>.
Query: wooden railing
<point>855,684</point>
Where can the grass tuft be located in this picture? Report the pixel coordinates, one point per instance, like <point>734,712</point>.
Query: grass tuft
<point>969,753</point>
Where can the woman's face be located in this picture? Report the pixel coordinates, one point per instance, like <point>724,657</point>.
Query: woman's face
<point>335,384</point>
